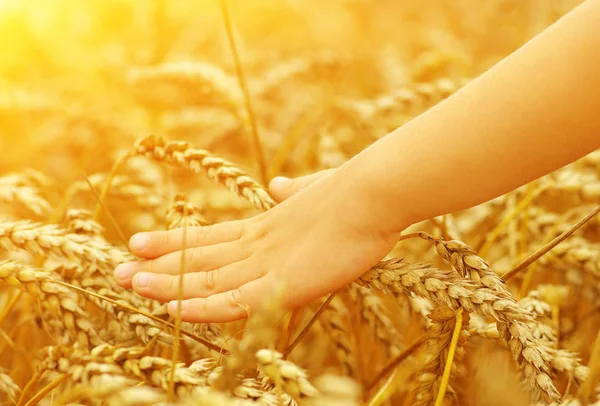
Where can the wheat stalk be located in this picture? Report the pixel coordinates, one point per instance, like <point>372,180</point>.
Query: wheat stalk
<point>408,98</point>
<point>40,239</point>
<point>284,374</point>
<point>25,196</point>
<point>449,289</point>
<point>60,306</point>
<point>182,213</point>
<point>374,315</point>
<point>333,320</point>
<point>130,365</point>
<point>212,85</point>
<point>198,160</point>
<point>440,335</point>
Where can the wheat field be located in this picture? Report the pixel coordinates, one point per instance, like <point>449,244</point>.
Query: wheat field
<point>120,116</point>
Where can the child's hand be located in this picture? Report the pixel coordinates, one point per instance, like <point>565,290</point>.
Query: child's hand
<point>312,244</point>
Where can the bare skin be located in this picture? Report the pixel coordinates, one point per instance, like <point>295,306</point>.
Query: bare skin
<point>534,112</point>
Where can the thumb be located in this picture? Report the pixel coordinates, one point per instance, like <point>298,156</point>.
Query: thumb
<point>282,188</point>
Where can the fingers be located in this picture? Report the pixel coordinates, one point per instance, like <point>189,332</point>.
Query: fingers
<point>165,287</point>
<point>223,307</point>
<point>282,188</point>
<point>197,259</point>
<point>157,243</point>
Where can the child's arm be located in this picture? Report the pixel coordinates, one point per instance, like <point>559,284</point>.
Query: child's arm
<point>534,112</point>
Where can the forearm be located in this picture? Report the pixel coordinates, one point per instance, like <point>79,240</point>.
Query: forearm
<point>536,111</point>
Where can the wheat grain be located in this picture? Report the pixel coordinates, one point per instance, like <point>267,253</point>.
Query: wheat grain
<point>448,289</point>
<point>576,252</point>
<point>171,80</point>
<point>440,335</point>
<point>185,214</point>
<point>60,306</point>
<point>373,314</point>
<point>409,98</point>
<point>81,222</point>
<point>8,387</point>
<point>82,104</point>
<point>25,189</point>
<point>285,375</point>
<point>334,322</point>
<point>43,239</point>
<point>198,160</point>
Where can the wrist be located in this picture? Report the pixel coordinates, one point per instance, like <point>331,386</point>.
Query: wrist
<point>380,203</point>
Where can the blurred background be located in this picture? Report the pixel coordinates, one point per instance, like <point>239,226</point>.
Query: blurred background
<point>76,76</point>
<point>81,81</point>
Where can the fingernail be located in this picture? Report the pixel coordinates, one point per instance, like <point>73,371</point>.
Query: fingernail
<point>124,271</point>
<point>139,241</point>
<point>142,279</point>
<point>280,182</point>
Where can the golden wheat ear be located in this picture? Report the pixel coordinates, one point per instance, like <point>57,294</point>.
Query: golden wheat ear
<point>220,171</point>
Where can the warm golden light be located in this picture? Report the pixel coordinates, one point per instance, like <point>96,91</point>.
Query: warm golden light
<point>123,116</point>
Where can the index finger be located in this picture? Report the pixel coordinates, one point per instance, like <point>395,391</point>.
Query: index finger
<point>154,244</point>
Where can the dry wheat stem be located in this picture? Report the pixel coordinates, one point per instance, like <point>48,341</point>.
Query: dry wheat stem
<point>373,314</point>
<point>393,364</point>
<point>104,193</point>
<point>185,214</point>
<point>577,252</point>
<point>45,390</point>
<point>175,355</point>
<point>441,345</point>
<point>450,359</point>
<point>108,213</point>
<point>523,204</point>
<point>546,239</point>
<point>30,384</point>
<point>543,250</point>
<point>247,101</point>
<point>333,322</point>
<point>309,324</point>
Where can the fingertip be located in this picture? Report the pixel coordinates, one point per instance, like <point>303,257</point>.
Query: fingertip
<point>174,305</point>
<point>279,183</point>
<point>279,188</point>
<point>140,244</point>
<point>124,274</point>
<point>172,308</point>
